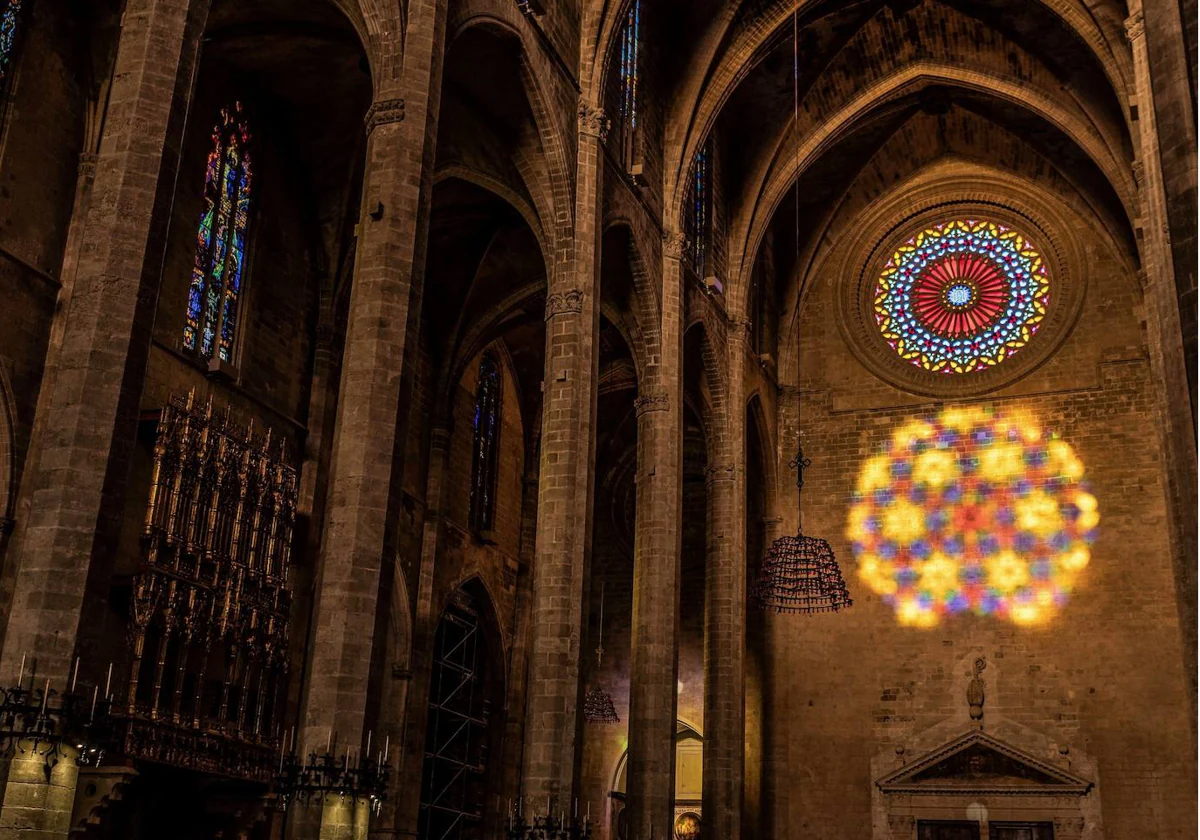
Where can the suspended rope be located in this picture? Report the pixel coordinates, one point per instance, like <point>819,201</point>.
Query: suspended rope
<point>597,703</point>
<point>800,574</point>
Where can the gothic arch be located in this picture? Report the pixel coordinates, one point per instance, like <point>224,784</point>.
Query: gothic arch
<point>745,42</point>
<point>788,162</point>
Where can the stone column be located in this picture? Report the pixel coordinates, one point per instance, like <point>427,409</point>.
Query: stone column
<point>39,799</point>
<point>725,605</point>
<point>367,461</point>
<point>1167,356</point>
<point>360,482</point>
<point>76,493</point>
<point>654,663</point>
<point>564,505</point>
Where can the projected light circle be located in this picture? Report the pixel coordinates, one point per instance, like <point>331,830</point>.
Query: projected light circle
<point>973,512</point>
<point>962,296</point>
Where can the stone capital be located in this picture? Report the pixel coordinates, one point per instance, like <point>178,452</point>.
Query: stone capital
<point>593,122</point>
<point>739,329</point>
<point>383,112</point>
<point>87,164</point>
<point>674,244</point>
<point>651,402</point>
<point>563,303</point>
<point>1135,26</point>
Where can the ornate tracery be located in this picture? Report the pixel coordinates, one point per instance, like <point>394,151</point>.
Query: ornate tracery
<point>962,296</point>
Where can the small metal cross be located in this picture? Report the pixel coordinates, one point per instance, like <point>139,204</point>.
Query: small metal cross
<point>800,464</point>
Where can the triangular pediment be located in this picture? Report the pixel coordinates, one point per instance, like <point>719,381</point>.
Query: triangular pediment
<point>977,763</point>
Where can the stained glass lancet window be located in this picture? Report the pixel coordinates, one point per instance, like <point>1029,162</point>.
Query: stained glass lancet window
<point>485,456</point>
<point>630,35</point>
<point>698,223</point>
<point>10,22</point>
<point>219,266</point>
<point>962,296</point>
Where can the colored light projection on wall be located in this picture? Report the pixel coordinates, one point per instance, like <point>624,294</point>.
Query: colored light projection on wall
<point>962,296</point>
<point>973,512</point>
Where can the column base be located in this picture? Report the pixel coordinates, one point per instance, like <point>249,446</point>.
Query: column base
<point>38,798</point>
<point>344,819</point>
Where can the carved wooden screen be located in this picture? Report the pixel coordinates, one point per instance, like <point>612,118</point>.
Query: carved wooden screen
<point>211,602</point>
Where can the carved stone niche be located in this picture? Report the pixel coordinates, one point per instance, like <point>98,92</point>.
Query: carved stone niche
<point>979,778</point>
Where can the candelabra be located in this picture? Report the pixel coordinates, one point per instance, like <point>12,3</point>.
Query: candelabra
<point>548,827</point>
<point>42,721</point>
<point>326,774</point>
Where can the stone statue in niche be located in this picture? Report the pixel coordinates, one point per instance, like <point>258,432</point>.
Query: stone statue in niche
<point>975,690</point>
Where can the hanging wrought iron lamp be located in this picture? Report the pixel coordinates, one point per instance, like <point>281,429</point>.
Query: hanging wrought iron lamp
<point>800,573</point>
<point>597,703</point>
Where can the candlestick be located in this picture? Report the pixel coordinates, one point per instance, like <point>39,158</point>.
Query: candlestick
<point>75,674</point>
<point>369,734</point>
<point>108,681</point>
<point>45,697</point>
<point>21,676</point>
<point>329,740</point>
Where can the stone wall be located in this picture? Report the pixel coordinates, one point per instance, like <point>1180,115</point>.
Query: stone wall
<point>1101,676</point>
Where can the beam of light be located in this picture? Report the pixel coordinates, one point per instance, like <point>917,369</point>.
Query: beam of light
<point>973,511</point>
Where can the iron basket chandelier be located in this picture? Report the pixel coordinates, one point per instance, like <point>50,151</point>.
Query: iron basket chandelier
<point>800,573</point>
<point>597,703</point>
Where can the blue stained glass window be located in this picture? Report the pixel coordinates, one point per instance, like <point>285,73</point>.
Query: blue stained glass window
<point>10,21</point>
<point>219,265</point>
<point>630,37</point>
<point>486,451</point>
<point>698,234</point>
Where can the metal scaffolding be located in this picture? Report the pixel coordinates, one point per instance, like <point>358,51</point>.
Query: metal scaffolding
<point>453,784</point>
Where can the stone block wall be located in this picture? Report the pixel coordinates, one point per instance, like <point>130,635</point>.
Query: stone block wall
<point>1102,676</point>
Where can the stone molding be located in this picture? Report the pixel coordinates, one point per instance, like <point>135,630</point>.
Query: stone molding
<point>727,472</point>
<point>564,303</point>
<point>651,402</point>
<point>594,122</point>
<point>383,112</point>
<point>904,781</point>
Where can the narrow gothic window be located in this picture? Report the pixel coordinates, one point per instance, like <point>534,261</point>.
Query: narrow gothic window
<point>629,64</point>
<point>698,220</point>
<point>219,266</point>
<point>486,452</point>
<point>626,134</point>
